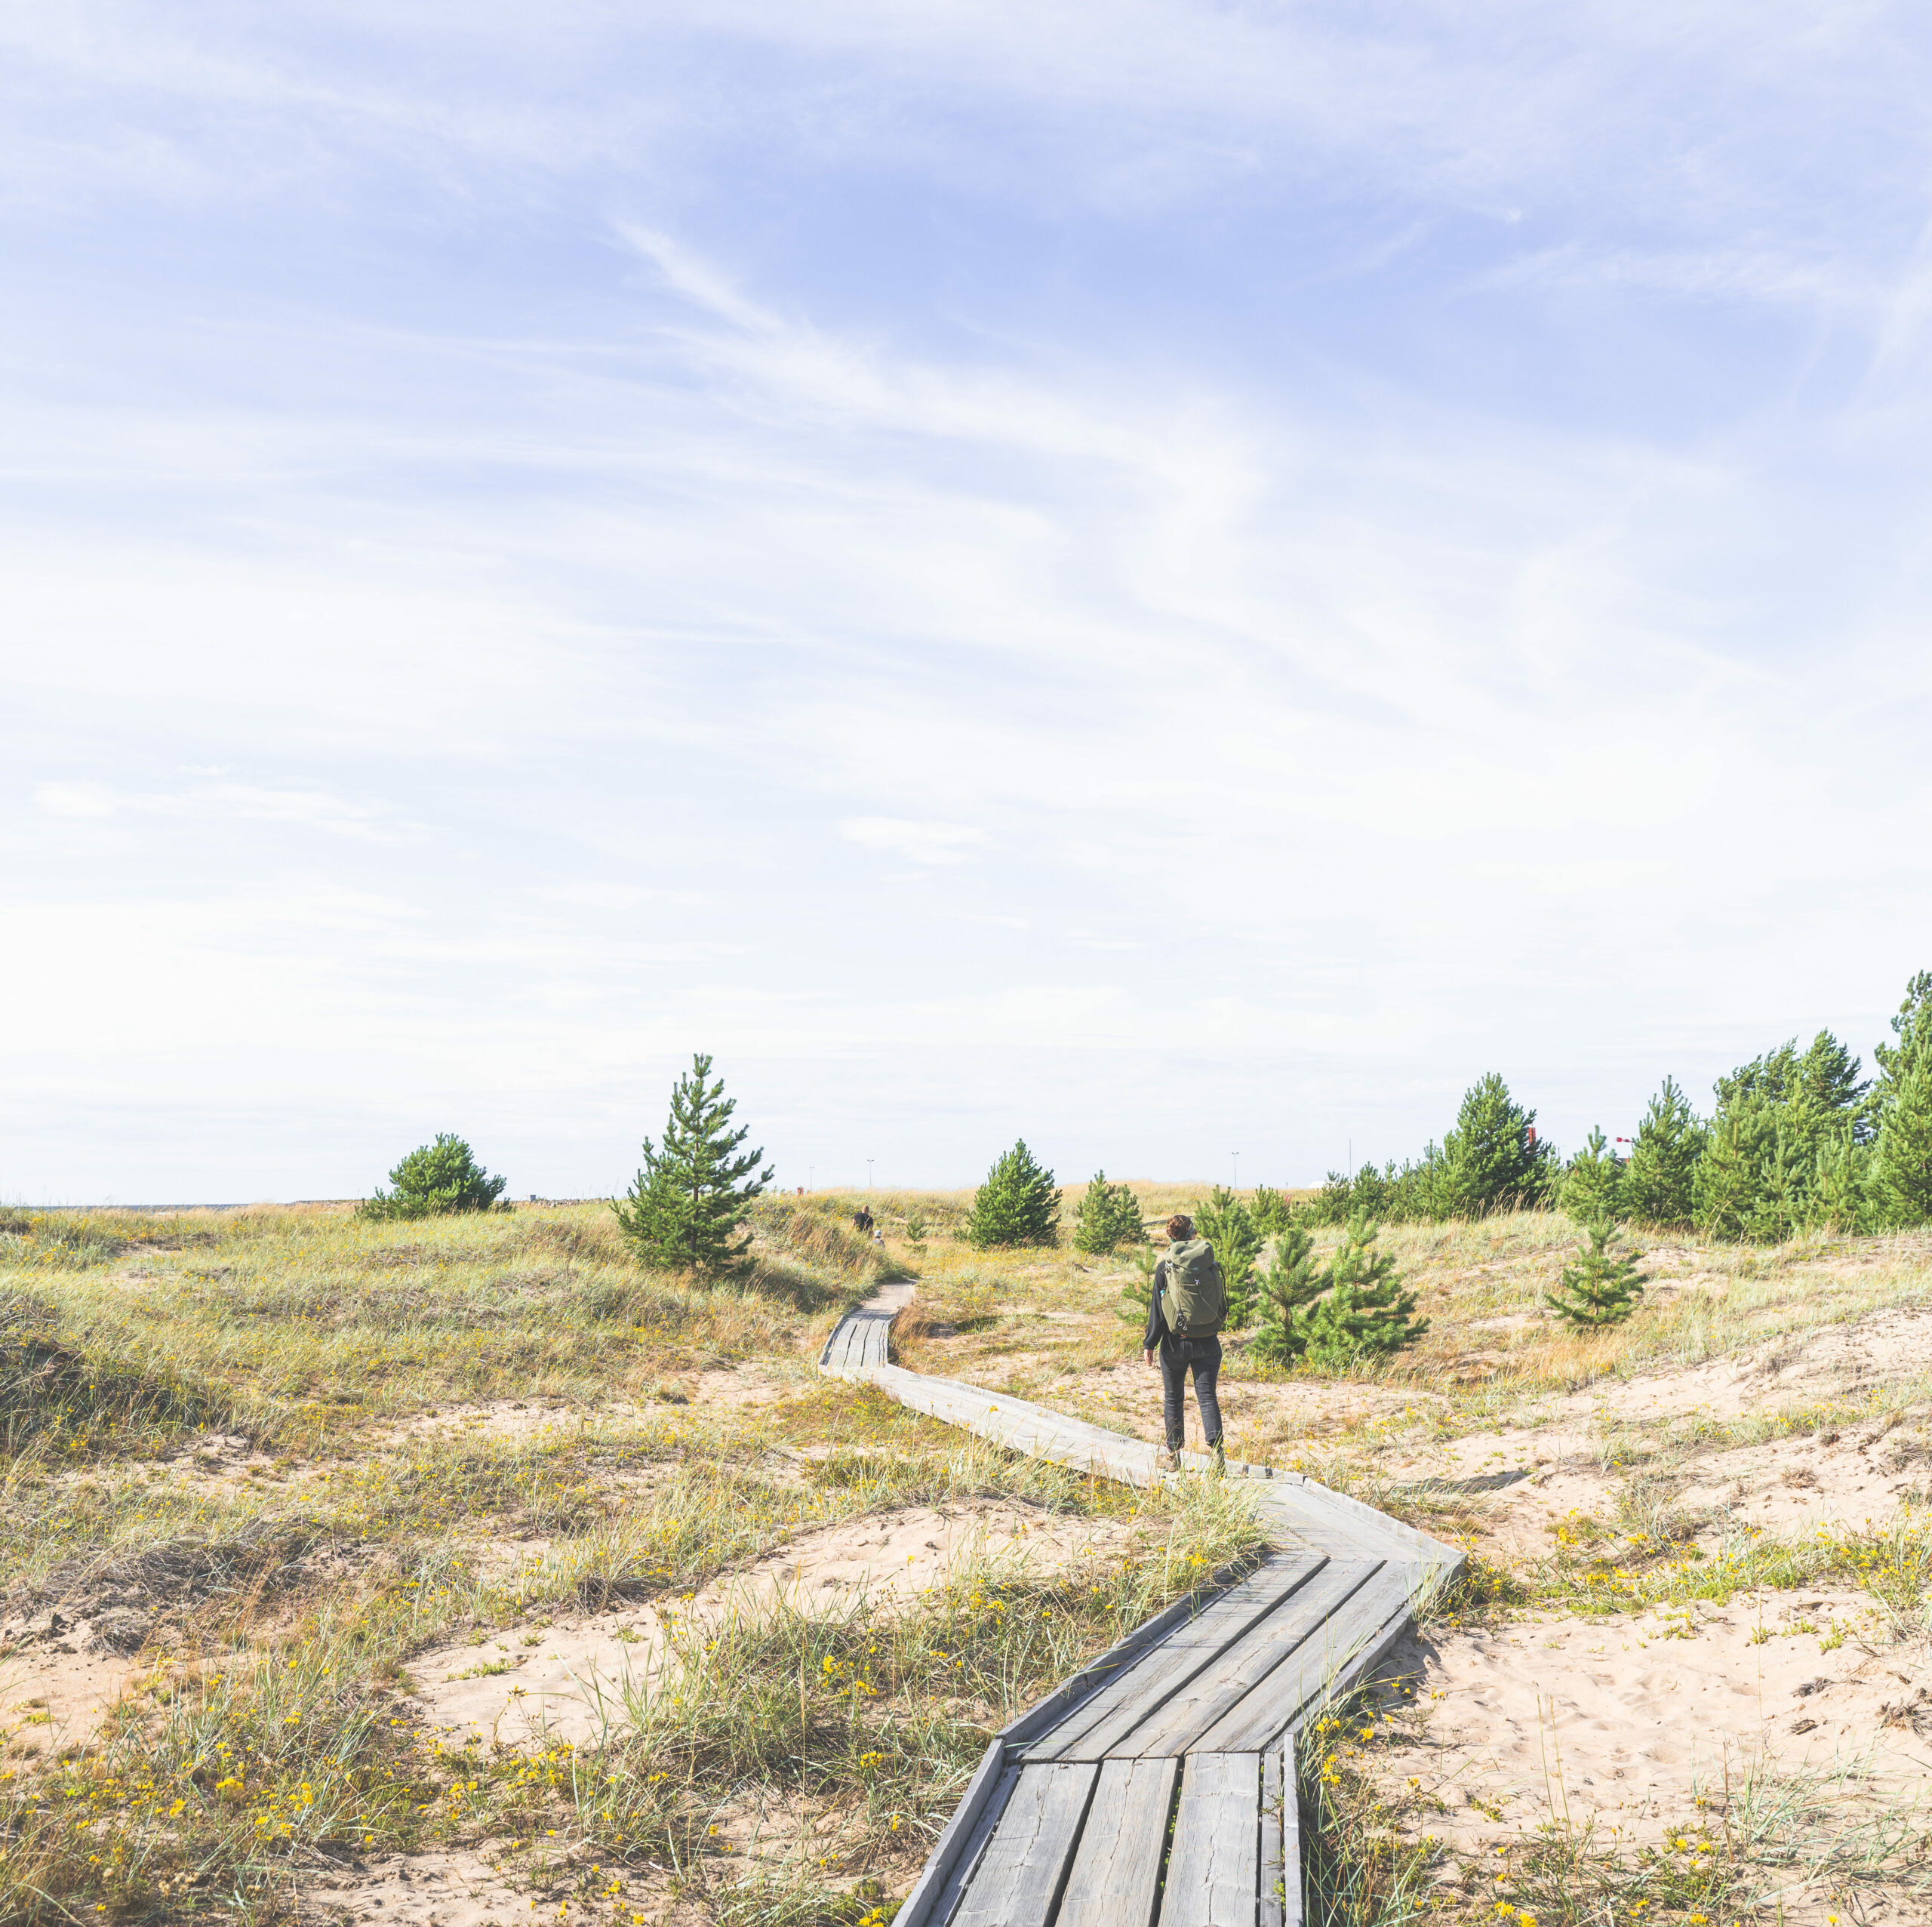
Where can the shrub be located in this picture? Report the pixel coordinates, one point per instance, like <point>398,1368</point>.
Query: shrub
<point>435,1179</point>
<point>1601,1288</point>
<point>1593,1183</point>
<point>1659,1178</point>
<point>1228,1226</point>
<point>685,1207</point>
<point>1017,1205</point>
<point>1108,1217</point>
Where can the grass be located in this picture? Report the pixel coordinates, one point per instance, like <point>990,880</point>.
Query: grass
<point>300,1449</point>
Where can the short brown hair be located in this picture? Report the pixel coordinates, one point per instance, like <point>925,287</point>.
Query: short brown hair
<point>1180,1225</point>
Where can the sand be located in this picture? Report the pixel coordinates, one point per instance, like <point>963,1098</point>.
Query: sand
<point>566,1678</point>
<point>1625,1721</point>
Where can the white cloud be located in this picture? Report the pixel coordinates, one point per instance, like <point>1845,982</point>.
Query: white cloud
<point>75,799</point>
<point>918,842</point>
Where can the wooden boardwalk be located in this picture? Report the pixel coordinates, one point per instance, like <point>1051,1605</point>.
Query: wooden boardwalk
<point>1156,1788</point>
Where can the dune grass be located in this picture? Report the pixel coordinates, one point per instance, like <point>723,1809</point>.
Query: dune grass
<point>297,1449</point>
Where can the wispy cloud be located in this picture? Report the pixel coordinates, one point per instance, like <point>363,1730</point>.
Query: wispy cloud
<point>988,561</point>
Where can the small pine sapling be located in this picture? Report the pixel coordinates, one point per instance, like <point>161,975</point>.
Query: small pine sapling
<point>1108,1217</point>
<point>1283,1293</point>
<point>435,1179</point>
<point>1017,1205</point>
<point>1601,1287</point>
<point>1228,1226</point>
<point>1364,1313</point>
<point>685,1209</point>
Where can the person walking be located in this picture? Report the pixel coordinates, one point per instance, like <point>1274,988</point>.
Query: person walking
<point>1185,1312</point>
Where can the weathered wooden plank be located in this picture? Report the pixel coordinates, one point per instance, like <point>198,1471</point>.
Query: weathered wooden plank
<point>1018,1881</point>
<point>1335,1654</point>
<point>1291,1862</point>
<point>1091,1731</point>
<point>944,1875</point>
<point>1327,1517</point>
<point>1116,1875</point>
<point>1281,1841</point>
<point>1213,1873</point>
<point>1102,1671</point>
<point>1014,1423</point>
<point>1181,1722</point>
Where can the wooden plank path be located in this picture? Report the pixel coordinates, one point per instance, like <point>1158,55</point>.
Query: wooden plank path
<point>1156,1787</point>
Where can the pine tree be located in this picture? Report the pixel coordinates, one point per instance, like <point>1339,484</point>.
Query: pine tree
<point>1593,1184</point>
<point>1912,1027</point>
<point>1364,1312</point>
<point>1017,1205</point>
<point>1841,1185</point>
<point>1601,1288</point>
<point>684,1211</point>
<point>1901,1177</point>
<point>1271,1212</point>
<point>1659,1178</point>
<point>1108,1217</point>
<point>1283,1292</point>
<point>1493,1160</point>
<point>1725,1181</point>
<point>1228,1226</point>
<point>436,1179</point>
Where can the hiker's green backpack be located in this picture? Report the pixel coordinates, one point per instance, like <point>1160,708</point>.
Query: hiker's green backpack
<point>1195,1303</point>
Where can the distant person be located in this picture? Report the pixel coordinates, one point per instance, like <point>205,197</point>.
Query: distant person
<point>861,1220</point>
<point>1185,1312</point>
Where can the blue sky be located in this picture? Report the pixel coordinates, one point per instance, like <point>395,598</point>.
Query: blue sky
<point>1173,579</point>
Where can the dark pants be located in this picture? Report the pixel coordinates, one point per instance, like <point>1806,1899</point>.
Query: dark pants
<point>1202,1356</point>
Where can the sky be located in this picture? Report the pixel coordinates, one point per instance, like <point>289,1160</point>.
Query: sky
<point>1179,580</point>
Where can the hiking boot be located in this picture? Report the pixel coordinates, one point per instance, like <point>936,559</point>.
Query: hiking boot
<point>1220,1459</point>
<point>1169,1460</point>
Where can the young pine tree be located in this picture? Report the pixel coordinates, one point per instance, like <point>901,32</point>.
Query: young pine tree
<point>1601,1288</point>
<point>1271,1211</point>
<point>1228,1226</point>
<point>1899,1185</point>
<point>1593,1184</point>
<point>1841,1185</point>
<point>1108,1217</point>
<point>1283,1293</point>
<point>684,1211</point>
<point>1493,1160</point>
<point>1017,1205</point>
<point>1364,1313</point>
<point>1659,1178</point>
<point>435,1179</point>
